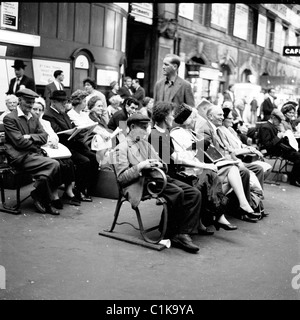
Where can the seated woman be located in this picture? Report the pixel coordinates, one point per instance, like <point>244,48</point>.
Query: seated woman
<point>288,110</point>
<point>234,145</point>
<point>66,165</point>
<point>185,139</point>
<point>114,105</point>
<point>203,175</point>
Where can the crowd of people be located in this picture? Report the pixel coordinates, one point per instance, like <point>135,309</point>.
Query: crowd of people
<point>213,170</point>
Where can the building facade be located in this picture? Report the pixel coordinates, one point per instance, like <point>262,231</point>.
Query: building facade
<point>82,39</point>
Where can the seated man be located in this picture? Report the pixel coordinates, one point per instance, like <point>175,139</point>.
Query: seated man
<point>133,156</point>
<point>24,137</point>
<point>11,102</point>
<point>276,145</point>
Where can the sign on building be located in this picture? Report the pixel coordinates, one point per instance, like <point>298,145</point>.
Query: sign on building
<point>142,12</point>
<point>9,15</point>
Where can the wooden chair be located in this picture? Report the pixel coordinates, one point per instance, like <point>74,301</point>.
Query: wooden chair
<point>153,192</point>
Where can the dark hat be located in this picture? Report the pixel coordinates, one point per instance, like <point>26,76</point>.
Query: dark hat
<point>137,117</point>
<point>182,112</point>
<point>59,95</point>
<point>112,84</point>
<point>278,114</point>
<point>27,93</point>
<point>19,64</point>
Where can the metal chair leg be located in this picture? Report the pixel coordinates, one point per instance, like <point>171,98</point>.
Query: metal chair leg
<point>117,212</point>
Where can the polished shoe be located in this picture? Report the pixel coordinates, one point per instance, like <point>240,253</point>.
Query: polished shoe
<point>248,219</point>
<point>51,210</point>
<point>227,227</point>
<point>57,203</point>
<point>71,200</point>
<point>37,203</point>
<point>252,215</point>
<point>184,241</point>
<point>205,232</point>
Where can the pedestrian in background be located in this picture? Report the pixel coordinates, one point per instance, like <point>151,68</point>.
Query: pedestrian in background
<point>57,84</point>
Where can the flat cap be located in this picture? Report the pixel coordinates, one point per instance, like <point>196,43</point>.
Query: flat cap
<point>137,117</point>
<point>27,93</point>
<point>278,114</point>
<point>182,112</point>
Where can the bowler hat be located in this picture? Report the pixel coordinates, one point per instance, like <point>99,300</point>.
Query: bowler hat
<point>278,114</point>
<point>59,95</point>
<point>182,112</point>
<point>19,64</point>
<point>27,93</point>
<point>138,117</point>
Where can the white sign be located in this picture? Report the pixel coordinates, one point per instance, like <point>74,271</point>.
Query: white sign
<point>142,12</point>
<point>82,62</point>
<point>240,28</point>
<point>277,37</point>
<point>105,77</point>
<point>219,14</point>
<point>43,71</point>
<point>261,30</point>
<point>9,15</point>
<point>186,10</point>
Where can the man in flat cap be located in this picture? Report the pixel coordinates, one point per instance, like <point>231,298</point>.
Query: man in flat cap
<point>24,138</point>
<point>277,144</point>
<point>131,158</point>
<point>21,81</point>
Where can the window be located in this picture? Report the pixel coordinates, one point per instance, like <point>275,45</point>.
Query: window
<point>252,25</point>
<point>270,34</point>
<point>285,36</point>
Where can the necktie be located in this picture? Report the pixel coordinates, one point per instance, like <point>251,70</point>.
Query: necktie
<point>18,85</point>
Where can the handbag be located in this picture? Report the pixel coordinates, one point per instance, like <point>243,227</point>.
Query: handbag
<point>248,158</point>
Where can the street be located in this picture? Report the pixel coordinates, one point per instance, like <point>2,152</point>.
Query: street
<point>57,258</point>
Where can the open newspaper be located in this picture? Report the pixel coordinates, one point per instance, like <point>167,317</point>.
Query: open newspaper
<point>62,152</point>
<point>74,131</point>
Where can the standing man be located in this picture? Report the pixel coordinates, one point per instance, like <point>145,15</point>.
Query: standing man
<point>253,109</point>
<point>21,81</point>
<point>229,94</point>
<point>268,105</point>
<point>172,88</point>
<point>24,138</point>
<point>126,90</point>
<point>55,85</point>
<point>139,92</point>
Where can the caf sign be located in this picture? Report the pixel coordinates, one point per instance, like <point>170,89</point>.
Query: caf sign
<point>291,51</point>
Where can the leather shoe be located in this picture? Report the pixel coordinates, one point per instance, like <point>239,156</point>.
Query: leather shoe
<point>205,232</point>
<point>248,219</point>
<point>37,203</point>
<point>57,203</point>
<point>71,200</point>
<point>51,210</point>
<point>184,241</point>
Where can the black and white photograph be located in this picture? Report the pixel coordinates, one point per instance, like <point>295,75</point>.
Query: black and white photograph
<point>150,154</point>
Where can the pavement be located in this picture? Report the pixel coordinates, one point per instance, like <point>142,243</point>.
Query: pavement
<point>62,257</point>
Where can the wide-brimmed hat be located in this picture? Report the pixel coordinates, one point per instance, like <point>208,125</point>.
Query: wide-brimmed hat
<point>138,117</point>
<point>182,112</point>
<point>59,95</point>
<point>27,93</point>
<point>19,64</point>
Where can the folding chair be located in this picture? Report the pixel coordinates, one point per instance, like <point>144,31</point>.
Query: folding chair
<point>153,192</point>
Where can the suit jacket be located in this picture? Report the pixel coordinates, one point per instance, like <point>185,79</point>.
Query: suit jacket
<point>266,108</point>
<point>268,138</point>
<point>114,121</point>
<point>15,128</point>
<point>139,95</point>
<point>26,81</point>
<point>124,92</point>
<point>126,156</point>
<point>48,92</point>
<point>181,92</point>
